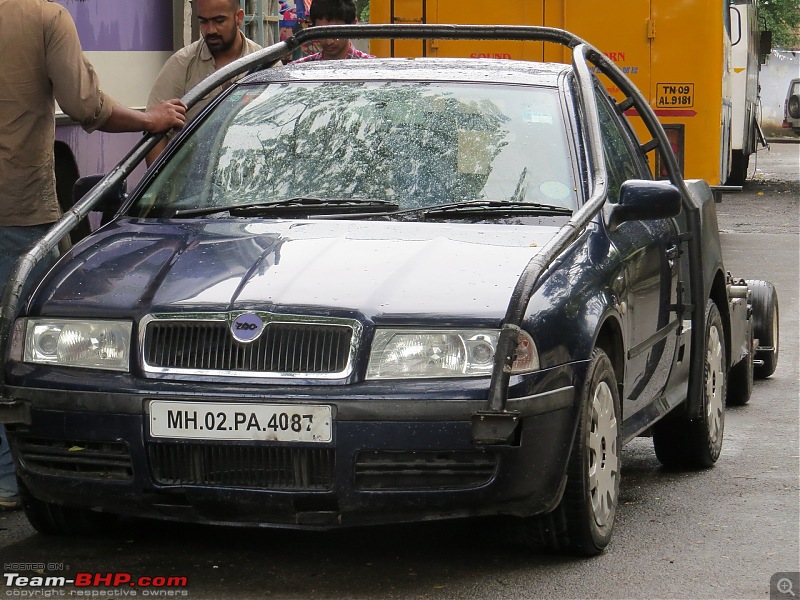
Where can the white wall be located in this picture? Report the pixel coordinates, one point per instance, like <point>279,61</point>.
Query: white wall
<point>782,66</point>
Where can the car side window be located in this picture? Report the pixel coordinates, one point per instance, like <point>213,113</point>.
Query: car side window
<point>621,161</point>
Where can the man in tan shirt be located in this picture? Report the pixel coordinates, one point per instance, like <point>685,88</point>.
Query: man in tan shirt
<point>43,63</point>
<point>220,44</point>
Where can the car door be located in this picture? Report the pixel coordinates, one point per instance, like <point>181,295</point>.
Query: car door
<point>647,279</point>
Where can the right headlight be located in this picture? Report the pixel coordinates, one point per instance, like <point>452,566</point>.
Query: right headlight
<point>91,344</point>
<point>425,353</point>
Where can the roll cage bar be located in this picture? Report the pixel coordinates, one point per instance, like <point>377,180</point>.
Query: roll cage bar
<point>495,424</point>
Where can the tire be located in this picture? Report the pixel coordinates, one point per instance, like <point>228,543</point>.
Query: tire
<point>681,442</point>
<point>55,519</point>
<point>793,106</point>
<point>740,378</point>
<point>583,521</point>
<point>739,165</point>
<point>766,326</point>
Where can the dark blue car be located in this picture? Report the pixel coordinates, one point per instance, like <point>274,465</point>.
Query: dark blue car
<point>379,291</point>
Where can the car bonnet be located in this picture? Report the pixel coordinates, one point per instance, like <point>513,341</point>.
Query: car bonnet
<point>389,269</point>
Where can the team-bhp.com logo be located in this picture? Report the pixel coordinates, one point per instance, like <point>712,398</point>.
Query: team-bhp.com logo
<point>89,584</point>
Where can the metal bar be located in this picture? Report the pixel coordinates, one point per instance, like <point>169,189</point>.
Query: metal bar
<point>537,266</point>
<point>27,262</point>
<point>696,276</point>
<point>528,281</point>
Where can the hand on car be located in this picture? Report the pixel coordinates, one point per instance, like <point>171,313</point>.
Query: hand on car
<point>170,114</point>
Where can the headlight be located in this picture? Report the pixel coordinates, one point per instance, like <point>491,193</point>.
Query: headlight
<point>78,343</point>
<point>403,353</point>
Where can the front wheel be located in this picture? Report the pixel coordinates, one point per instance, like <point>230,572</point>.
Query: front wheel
<point>584,519</point>
<point>681,442</point>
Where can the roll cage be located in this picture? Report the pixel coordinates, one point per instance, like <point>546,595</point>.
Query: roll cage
<point>495,424</point>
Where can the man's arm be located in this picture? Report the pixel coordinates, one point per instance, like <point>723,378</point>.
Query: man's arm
<point>76,86</point>
<point>161,117</point>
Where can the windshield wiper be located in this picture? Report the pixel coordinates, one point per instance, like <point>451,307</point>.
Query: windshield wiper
<point>482,207</point>
<point>296,205</point>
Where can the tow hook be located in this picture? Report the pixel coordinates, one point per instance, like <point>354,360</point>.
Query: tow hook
<point>494,427</point>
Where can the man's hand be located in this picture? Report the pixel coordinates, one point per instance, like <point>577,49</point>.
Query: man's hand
<point>165,116</point>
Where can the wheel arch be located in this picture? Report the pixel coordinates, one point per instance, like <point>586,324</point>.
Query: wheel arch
<point>719,295</point>
<point>609,338</point>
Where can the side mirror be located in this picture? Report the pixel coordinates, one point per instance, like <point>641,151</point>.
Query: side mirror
<point>109,202</point>
<point>641,199</point>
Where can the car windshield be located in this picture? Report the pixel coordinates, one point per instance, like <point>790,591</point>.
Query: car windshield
<point>413,144</point>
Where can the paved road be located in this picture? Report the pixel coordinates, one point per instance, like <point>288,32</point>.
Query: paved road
<point>720,533</point>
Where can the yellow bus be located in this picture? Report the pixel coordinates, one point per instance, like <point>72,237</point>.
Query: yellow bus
<point>679,54</point>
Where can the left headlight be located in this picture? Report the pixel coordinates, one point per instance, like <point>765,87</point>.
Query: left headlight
<point>403,353</point>
<point>76,343</point>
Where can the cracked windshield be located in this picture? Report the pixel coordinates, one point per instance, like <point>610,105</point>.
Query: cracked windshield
<point>413,144</point>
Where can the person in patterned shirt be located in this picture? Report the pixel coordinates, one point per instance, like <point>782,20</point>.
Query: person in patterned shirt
<point>334,12</point>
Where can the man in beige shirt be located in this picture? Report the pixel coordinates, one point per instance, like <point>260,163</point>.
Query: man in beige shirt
<point>43,63</point>
<point>220,44</point>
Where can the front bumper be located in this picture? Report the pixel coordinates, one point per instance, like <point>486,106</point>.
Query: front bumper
<point>390,460</point>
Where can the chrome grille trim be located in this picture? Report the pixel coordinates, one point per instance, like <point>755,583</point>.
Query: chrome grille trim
<point>291,346</point>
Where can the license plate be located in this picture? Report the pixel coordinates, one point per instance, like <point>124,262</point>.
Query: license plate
<point>239,421</point>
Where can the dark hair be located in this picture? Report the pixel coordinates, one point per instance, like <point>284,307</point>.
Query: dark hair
<point>338,10</point>
<point>234,4</point>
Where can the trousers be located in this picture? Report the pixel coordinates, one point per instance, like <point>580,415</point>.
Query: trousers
<point>14,241</point>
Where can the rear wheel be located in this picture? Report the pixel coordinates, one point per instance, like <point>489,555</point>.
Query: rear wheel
<point>681,442</point>
<point>793,106</point>
<point>740,378</point>
<point>56,519</point>
<point>766,326</point>
<point>740,162</point>
<point>584,519</point>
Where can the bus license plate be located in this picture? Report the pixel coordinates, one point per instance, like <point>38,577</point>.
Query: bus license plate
<point>239,421</point>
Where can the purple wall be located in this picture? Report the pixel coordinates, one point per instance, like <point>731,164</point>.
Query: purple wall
<point>122,24</point>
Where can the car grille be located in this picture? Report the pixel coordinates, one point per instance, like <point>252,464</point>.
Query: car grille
<point>197,346</point>
<point>83,459</point>
<point>259,467</point>
<point>418,470</point>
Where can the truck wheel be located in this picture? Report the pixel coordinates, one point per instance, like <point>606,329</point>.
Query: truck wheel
<point>681,442</point>
<point>739,165</point>
<point>740,378</point>
<point>766,327</point>
<point>55,519</point>
<point>584,519</point>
